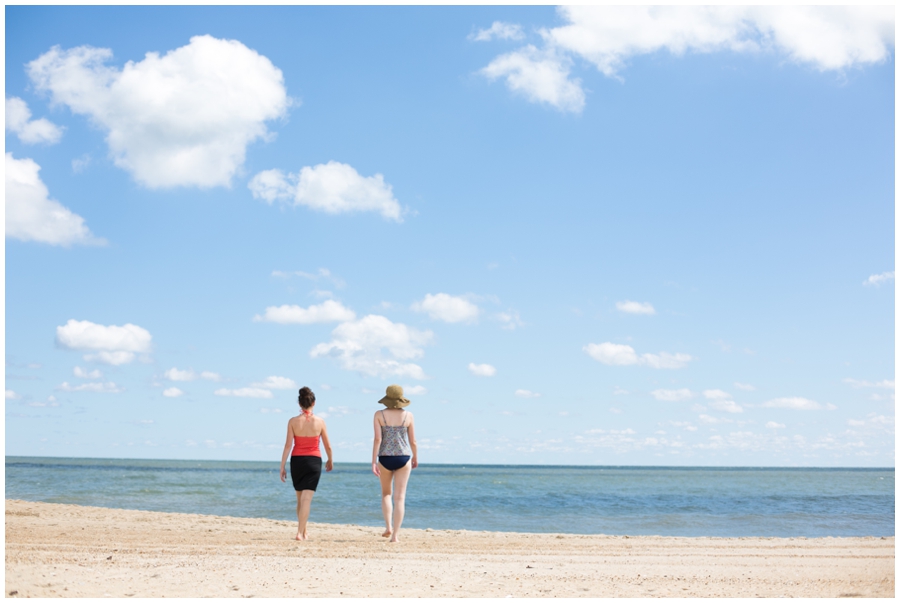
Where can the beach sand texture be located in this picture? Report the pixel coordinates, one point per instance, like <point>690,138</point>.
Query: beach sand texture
<point>55,550</point>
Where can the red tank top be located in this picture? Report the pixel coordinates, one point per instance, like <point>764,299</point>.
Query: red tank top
<point>306,446</point>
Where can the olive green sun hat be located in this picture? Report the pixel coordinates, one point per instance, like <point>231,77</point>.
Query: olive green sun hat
<point>394,397</point>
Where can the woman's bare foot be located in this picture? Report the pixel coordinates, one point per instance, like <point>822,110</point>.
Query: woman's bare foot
<point>386,534</point>
<point>394,539</point>
<point>301,536</point>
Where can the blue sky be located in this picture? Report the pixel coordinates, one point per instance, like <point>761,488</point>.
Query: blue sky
<point>575,236</point>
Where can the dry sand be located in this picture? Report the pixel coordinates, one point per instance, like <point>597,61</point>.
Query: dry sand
<point>71,551</point>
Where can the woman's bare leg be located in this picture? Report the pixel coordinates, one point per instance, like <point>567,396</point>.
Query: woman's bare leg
<point>386,477</point>
<point>304,500</point>
<point>401,478</point>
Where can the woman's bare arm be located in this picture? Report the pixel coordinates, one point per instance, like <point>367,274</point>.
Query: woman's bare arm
<point>329,464</point>
<point>288,444</point>
<point>377,444</point>
<point>412,441</point>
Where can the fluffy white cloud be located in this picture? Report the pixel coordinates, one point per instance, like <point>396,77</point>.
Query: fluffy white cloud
<point>541,76</point>
<point>181,119</point>
<point>615,354</point>
<point>774,425</point>
<point>726,406</point>
<point>29,131</point>
<point>373,345</point>
<point>31,215</point>
<point>633,307</point>
<point>482,370</point>
<point>174,374</point>
<point>327,311</point>
<point>524,393</point>
<point>172,392</point>
<point>824,37</point>
<point>448,308</point>
<point>95,387</point>
<point>878,279</point>
<point>112,345</point>
<point>244,392</point>
<point>415,390</point>
<point>332,187</point>
<point>885,383</point>
<point>275,382</point>
<point>85,374</point>
<point>672,395</point>
<point>744,387</point>
<point>509,320</point>
<point>11,395</point>
<point>721,400</point>
<point>500,31</point>
<point>795,403</point>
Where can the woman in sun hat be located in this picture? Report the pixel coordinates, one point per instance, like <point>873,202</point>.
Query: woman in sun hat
<point>394,456</point>
<point>302,443</point>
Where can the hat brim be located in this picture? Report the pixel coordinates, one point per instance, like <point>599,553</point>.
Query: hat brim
<point>394,402</point>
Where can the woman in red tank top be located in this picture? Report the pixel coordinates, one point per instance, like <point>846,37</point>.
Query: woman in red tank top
<point>302,444</point>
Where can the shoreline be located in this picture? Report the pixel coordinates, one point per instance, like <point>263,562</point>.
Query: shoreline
<point>59,550</point>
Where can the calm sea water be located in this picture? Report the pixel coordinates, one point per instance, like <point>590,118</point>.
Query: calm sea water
<point>667,501</point>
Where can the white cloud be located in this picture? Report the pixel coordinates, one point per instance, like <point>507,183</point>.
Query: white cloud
<point>633,307</point>
<point>885,383</point>
<point>726,406</point>
<point>745,387</point>
<point>622,355</point>
<point>172,392</point>
<point>84,374</point>
<point>716,394</point>
<point>322,274</point>
<point>29,131</point>
<point>373,345</point>
<point>31,215</point>
<point>113,358</point>
<point>500,31</point>
<point>244,392</point>
<point>721,400</point>
<point>99,388</point>
<point>332,187</point>
<point>11,395</point>
<point>448,308</point>
<point>275,382</point>
<point>672,395</point>
<point>774,425</point>
<point>824,37</point>
<point>174,374</point>
<point>181,119</point>
<point>524,393</point>
<point>327,311</point>
<point>414,390</point>
<point>795,403</point>
<point>541,76</point>
<point>80,164</point>
<point>509,320</point>
<point>713,420</point>
<point>482,370</point>
<point>877,279</point>
<point>113,345</point>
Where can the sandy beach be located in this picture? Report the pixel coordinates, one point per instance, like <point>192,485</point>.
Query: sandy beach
<point>55,550</point>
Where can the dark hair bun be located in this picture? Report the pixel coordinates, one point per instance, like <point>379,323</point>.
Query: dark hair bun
<point>306,397</point>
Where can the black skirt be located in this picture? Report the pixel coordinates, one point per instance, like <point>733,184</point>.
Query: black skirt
<point>305,472</point>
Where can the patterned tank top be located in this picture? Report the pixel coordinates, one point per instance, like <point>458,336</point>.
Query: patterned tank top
<point>394,439</point>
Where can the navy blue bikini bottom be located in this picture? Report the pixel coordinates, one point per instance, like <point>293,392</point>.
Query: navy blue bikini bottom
<point>392,463</point>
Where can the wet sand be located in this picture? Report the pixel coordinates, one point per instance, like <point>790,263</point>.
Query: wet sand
<point>72,551</point>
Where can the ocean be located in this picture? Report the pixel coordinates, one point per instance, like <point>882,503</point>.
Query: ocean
<point>664,501</point>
